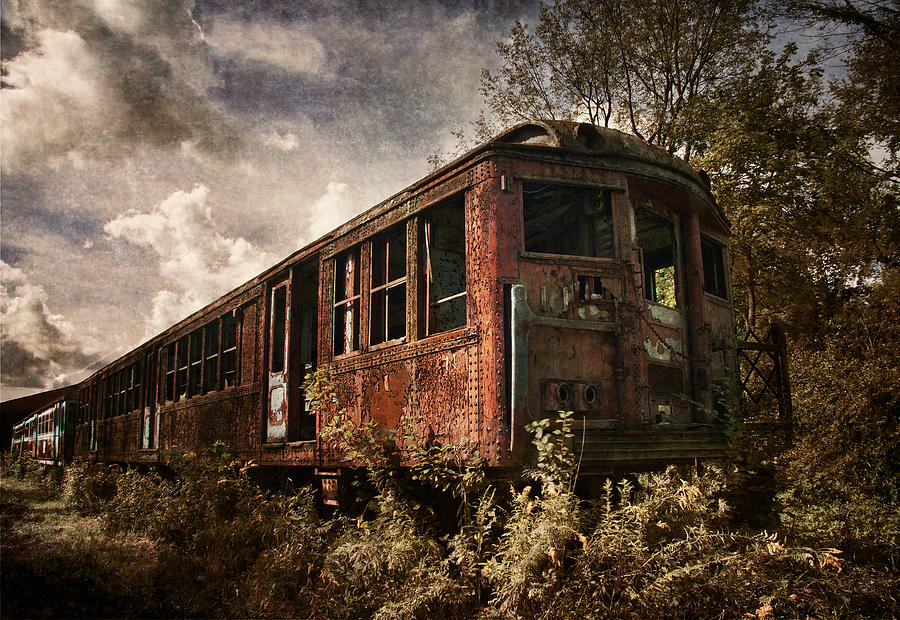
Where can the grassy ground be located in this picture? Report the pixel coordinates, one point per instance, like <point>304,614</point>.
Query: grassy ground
<point>57,564</point>
<point>205,542</point>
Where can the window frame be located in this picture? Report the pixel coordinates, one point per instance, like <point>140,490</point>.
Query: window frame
<point>719,268</point>
<point>425,284</point>
<point>383,241</point>
<point>585,216</point>
<point>195,345</point>
<point>348,303</point>
<point>648,278</point>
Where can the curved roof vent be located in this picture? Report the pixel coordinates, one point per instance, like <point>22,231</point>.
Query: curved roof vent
<point>588,135</point>
<point>531,133</point>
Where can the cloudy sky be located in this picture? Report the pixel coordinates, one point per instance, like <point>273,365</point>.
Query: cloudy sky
<point>157,153</point>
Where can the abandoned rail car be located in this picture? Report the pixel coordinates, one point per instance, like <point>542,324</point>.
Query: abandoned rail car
<point>47,435</point>
<point>560,266</point>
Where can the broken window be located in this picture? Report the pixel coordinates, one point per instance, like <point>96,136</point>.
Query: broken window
<point>387,309</point>
<point>443,283</point>
<point>656,239</point>
<point>575,221</point>
<point>346,302</point>
<point>713,268</point>
<point>279,333</point>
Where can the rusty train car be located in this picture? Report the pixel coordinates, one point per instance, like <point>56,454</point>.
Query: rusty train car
<point>560,266</point>
<point>48,434</point>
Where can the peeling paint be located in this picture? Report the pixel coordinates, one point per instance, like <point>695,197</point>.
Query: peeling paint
<point>662,351</point>
<point>664,314</point>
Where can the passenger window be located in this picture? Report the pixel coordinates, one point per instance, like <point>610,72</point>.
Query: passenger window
<point>443,285</point>
<point>574,221</point>
<point>169,393</point>
<point>211,355</point>
<point>230,324</point>
<point>713,268</point>
<point>195,381</point>
<point>346,302</point>
<point>181,368</point>
<point>388,286</point>
<point>656,238</point>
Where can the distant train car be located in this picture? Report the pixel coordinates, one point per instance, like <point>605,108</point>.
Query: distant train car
<point>561,266</point>
<point>48,434</point>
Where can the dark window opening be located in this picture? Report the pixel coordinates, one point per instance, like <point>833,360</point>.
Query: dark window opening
<point>195,376</point>
<point>203,361</point>
<point>169,388</point>
<point>656,238</point>
<point>346,302</point>
<point>229,350</point>
<point>444,267</point>
<point>575,221</point>
<point>279,314</point>
<point>181,368</point>
<point>590,288</point>
<point>666,392</point>
<point>388,290</point>
<point>211,357</point>
<point>713,268</point>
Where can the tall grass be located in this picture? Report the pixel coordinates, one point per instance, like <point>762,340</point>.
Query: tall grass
<point>200,539</point>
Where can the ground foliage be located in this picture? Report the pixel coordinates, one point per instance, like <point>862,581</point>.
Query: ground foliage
<point>201,539</point>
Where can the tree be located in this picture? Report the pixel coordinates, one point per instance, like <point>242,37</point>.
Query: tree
<point>642,64</point>
<point>865,36</point>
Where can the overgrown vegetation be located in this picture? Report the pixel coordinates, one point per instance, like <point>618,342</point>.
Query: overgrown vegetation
<point>200,539</point>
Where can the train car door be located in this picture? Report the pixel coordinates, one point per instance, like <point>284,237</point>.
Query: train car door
<point>293,312</point>
<point>279,355</point>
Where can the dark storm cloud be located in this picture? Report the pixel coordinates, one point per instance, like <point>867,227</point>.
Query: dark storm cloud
<point>397,71</point>
<point>142,81</point>
<point>37,348</point>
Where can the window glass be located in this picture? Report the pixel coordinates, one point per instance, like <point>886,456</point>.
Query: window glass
<point>444,270</point>
<point>656,238</point>
<point>575,221</point>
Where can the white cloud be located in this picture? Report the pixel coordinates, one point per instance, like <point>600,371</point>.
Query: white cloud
<point>57,98</point>
<point>329,211</point>
<point>196,260</point>
<point>120,14</point>
<point>39,348</point>
<point>98,77</point>
<point>292,47</point>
